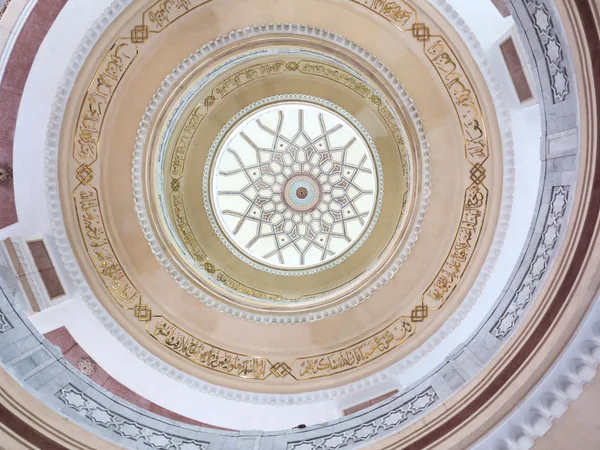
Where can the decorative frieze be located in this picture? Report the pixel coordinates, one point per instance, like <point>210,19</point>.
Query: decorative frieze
<point>552,47</point>
<point>539,264</point>
<point>5,325</point>
<point>400,423</point>
<point>103,417</point>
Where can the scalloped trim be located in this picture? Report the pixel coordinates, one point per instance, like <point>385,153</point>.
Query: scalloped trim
<point>550,399</point>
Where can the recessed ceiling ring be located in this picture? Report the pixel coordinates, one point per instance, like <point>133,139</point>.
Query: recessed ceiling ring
<point>423,185</point>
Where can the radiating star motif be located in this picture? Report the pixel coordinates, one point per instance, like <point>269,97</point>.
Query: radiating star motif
<point>296,186</point>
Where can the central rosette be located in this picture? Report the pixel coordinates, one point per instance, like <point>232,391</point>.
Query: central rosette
<point>295,185</point>
<point>302,193</point>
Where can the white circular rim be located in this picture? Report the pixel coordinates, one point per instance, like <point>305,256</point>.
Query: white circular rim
<point>209,194</point>
<point>52,147</point>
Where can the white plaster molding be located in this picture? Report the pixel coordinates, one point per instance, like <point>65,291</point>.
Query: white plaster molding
<point>52,318</point>
<point>188,63</point>
<point>549,400</point>
<point>71,264</point>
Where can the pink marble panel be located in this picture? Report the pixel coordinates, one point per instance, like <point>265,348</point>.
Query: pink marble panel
<point>127,394</point>
<point>62,339</point>
<point>179,418</point>
<point>8,114</point>
<point>502,7</point>
<point>45,267</point>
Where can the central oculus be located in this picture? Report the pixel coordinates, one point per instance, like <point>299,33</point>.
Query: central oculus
<point>293,185</point>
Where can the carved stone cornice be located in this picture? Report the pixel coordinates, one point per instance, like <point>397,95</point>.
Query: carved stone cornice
<point>562,385</point>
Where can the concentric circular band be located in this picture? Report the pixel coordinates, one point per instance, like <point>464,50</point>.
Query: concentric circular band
<point>420,185</point>
<point>295,183</point>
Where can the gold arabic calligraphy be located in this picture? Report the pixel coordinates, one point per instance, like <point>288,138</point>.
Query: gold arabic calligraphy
<point>87,206</point>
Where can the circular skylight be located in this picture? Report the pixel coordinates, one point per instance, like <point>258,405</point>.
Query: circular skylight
<point>295,185</point>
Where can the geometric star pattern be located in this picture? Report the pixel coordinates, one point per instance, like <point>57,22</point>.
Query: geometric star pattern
<point>376,427</point>
<point>151,438</point>
<point>541,262</point>
<point>295,186</point>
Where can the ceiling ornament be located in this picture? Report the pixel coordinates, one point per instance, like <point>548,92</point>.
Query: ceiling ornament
<point>141,311</point>
<point>476,171</point>
<point>559,395</point>
<point>295,185</point>
<point>169,172</point>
